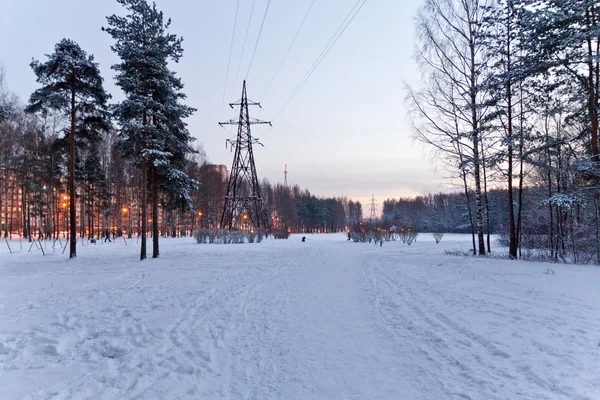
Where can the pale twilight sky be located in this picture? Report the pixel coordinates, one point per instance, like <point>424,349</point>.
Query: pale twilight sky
<point>345,133</point>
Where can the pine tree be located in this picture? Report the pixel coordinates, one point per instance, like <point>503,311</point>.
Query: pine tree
<point>565,36</point>
<point>4,113</point>
<point>72,84</point>
<point>151,117</point>
<point>169,167</point>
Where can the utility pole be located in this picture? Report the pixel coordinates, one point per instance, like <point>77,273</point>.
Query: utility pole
<point>285,171</point>
<point>243,203</point>
<point>373,216</point>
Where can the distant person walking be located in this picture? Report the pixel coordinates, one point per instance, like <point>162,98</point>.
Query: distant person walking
<point>107,236</point>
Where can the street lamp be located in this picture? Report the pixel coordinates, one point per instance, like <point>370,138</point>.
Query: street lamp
<point>64,206</point>
<point>123,212</point>
<point>200,218</point>
<point>129,233</point>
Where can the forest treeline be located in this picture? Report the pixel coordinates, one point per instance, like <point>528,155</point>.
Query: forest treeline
<point>34,188</point>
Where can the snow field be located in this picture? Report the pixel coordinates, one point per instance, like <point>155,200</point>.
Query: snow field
<point>326,319</point>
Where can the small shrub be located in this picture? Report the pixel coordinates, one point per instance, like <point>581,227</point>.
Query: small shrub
<point>438,236</point>
<point>225,236</point>
<point>281,235</point>
<point>403,235</point>
<point>410,236</point>
<point>200,235</point>
<point>457,253</point>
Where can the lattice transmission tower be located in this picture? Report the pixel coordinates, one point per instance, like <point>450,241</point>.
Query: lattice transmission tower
<point>243,203</point>
<point>373,216</point>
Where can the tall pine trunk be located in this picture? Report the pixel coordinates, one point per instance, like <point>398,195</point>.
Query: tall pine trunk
<point>155,250</point>
<point>73,221</point>
<point>144,194</point>
<point>155,238</point>
<point>6,208</point>
<point>82,211</point>
<point>521,172</point>
<point>593,82</point>
<point>512,235</point>
<point>3,178</point>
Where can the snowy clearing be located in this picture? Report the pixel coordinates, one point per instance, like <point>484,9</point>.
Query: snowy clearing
<point>325,319</point>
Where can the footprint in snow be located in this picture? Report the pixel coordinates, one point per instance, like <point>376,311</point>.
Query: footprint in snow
<point>4,350</point>
<point>185,369</point>
<point>47,349</point>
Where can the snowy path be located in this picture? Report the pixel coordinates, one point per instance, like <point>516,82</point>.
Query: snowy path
<point>325,319</point>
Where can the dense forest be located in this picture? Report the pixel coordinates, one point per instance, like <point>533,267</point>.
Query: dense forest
<point>510,99</point>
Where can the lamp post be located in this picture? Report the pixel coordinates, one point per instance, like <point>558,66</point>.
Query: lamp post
<point>124,211</point>
<point>2,185</point>
<point>130,233</point>
<point>64,206</point>
<point>200,218</point>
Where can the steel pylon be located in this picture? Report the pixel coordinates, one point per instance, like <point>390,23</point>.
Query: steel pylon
<point>243,203</point>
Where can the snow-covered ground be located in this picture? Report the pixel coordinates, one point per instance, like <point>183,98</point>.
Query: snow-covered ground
<point>325,319</point>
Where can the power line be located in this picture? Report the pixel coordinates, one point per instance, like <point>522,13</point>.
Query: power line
<point>258,38</point>
<point>237,74</point>
<point>324,53</point>
<point>299,153</point>
<point>303,156</point>
<point>349,18</point>
<point>229,61</point>
<point>288,49</point>
<point>297,150</point>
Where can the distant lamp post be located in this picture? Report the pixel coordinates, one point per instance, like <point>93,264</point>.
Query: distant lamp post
<point>130,229</point>
<point>64,206</point>
<point>200,218</point>
<point>123,212</point>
